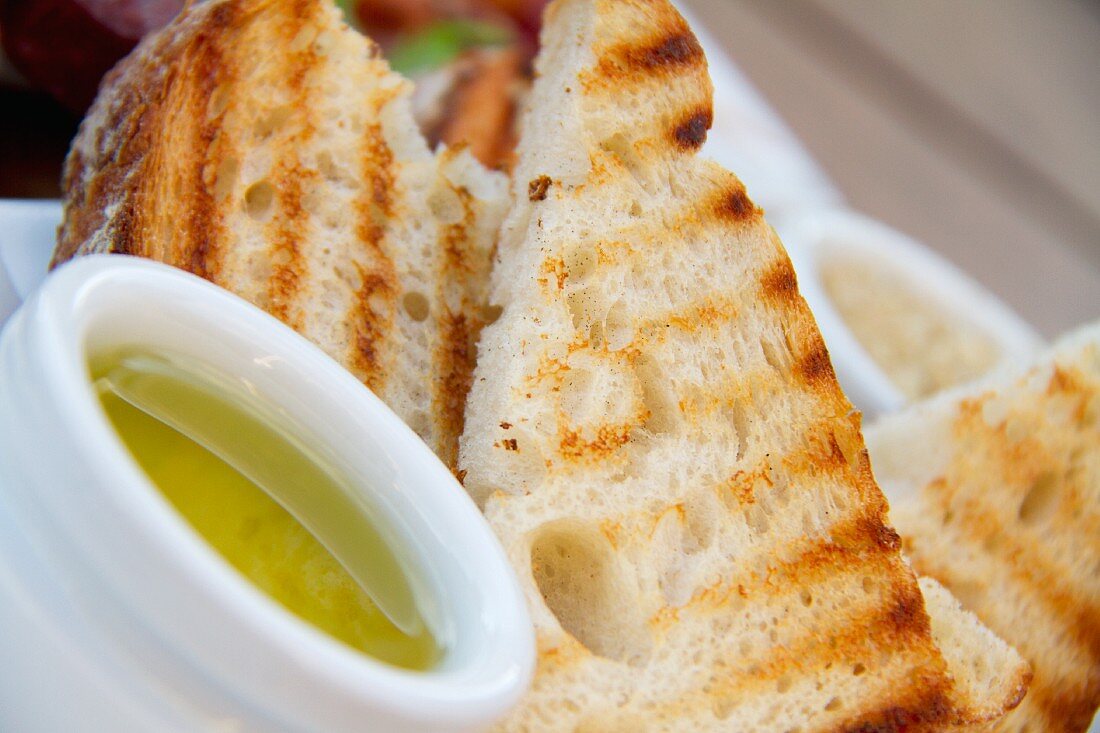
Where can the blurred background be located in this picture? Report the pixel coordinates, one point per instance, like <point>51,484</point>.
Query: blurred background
<point>972,126</point>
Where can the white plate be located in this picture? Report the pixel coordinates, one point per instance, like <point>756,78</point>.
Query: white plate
<point>28,231</point>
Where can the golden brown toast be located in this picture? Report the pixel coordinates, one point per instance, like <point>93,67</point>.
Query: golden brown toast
<point>656,434</point>
<point>265,146</point>
<point>996,492</point>
<point>706,529</point>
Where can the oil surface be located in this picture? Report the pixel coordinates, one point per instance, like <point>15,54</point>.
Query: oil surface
<point>253,532</point>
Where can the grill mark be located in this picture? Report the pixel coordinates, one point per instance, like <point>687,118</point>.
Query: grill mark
<point>691,132</point>
<point>857,545</point>
<point>854,636</point>
<point>685,220</point>
<point>287,235</point>
<point>860,545</point>
<point>371,327</point>
<point>924,704</point>
<point>813,458</point>
<point>1042,575</point>
<point>302,12</point>
<point>906,613</point>
<point>742,384</point>
<point>201,250</point>
<point>133,124</point>
<point>886,536</point>
<point>372,312</point>
<point>455,239</point>
<point>287,229</point>
<point>897,622</point>
<point>1088,628</point>
<point>931,707</point>
<point>678,48</point>
<point>457,334</point>
<point>921,704</point>
<point>833,455</point>
<point>916,698</point>
<point>823,448</point>
<point>675,52</point>
<point>457,365</point>
<point>779,285</point>
<point>1060,704</point>
<point>814,366</point>
<point>734,206</point>
<point>1038,576</point>
<point>852,542</point>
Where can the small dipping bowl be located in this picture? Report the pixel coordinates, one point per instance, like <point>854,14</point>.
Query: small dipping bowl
<point>116,615</point>
<point>936,316</point>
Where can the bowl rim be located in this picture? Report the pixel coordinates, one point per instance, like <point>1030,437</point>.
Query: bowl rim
<point>292,668</point>
<point>815,236</point>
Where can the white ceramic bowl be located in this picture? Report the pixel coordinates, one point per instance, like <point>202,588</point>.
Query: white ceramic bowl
<point>814,238</point>
<point>115,615</point>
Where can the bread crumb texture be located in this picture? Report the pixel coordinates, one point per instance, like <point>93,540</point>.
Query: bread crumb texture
<point>1008,518</point>
<point>656,434</point>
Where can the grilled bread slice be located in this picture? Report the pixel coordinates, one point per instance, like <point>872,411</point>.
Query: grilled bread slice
<point>266,146</point>
<point>996,492</point>
<point>656,434</point>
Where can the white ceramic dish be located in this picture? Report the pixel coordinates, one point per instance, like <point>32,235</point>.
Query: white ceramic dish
<point>116,616</point>
<point>816,237</point>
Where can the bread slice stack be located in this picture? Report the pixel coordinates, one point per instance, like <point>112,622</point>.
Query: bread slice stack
<point>996,492</point>
<point>656,434</point>
<point>266,146</point>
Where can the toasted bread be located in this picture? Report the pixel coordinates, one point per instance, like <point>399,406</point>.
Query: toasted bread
<point>656,434</point>
<point>996,492</point>
<point>266,146</point>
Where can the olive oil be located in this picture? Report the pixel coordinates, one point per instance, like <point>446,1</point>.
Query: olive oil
<point>209,447</point>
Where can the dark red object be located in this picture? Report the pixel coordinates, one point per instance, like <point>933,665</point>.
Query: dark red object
<point>65,46</point>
